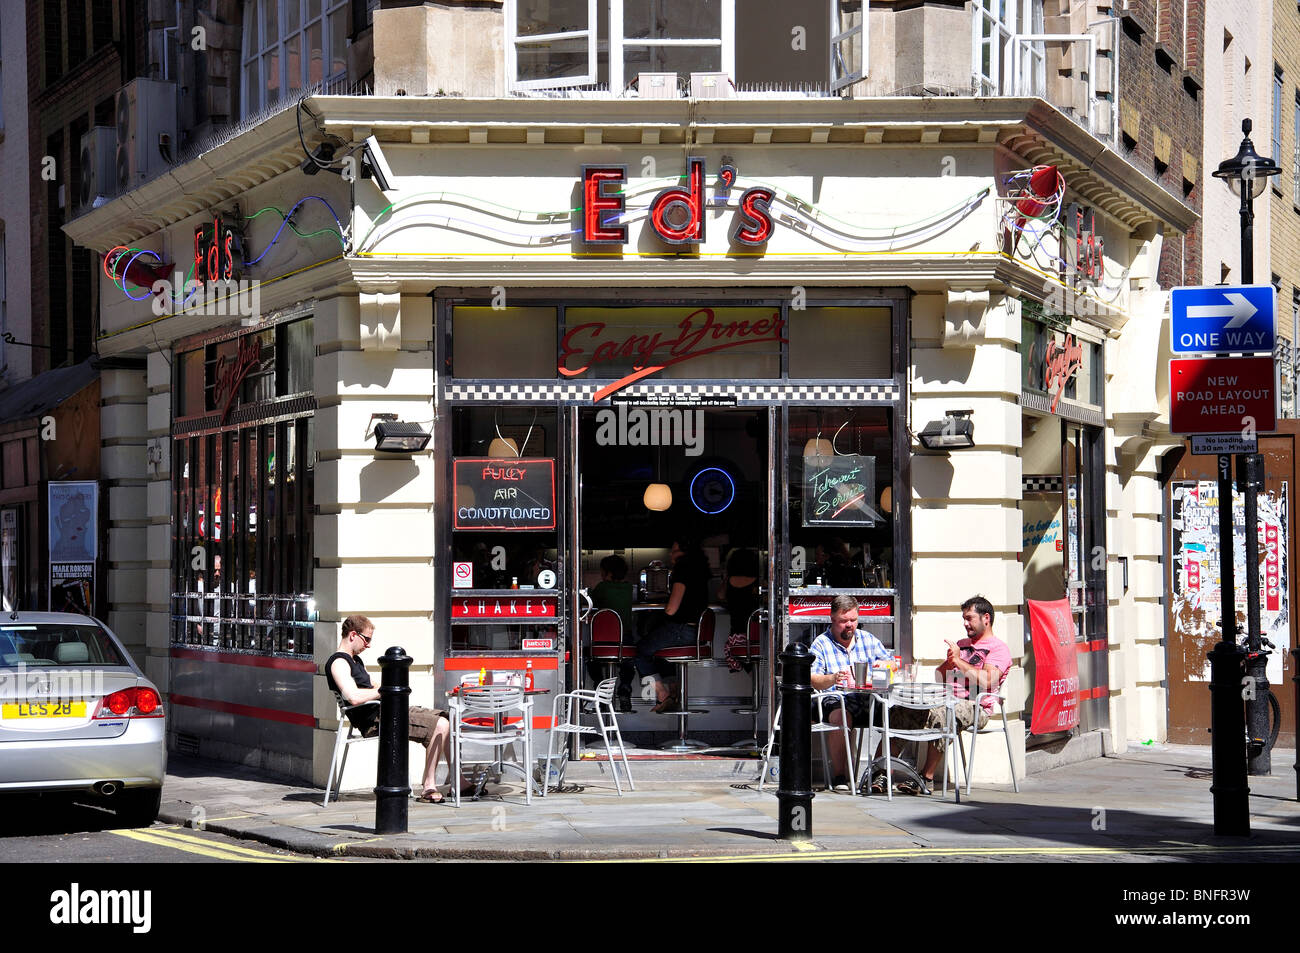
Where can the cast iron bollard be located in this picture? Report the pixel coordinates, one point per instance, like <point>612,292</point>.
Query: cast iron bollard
<point>393,784</point>
<point>794,790</point>
<point>1228,741</point>
<point>1295,679</point>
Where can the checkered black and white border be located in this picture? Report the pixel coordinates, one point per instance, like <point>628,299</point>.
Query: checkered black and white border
<point>1040,484</point>
<point>884,392</point>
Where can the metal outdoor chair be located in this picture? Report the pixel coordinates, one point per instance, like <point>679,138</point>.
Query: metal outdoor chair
<point>344,738</point>
<point>684,656</point>
<point>752,651</point>
<point>570,705</point>
<point>1000,699</point>
<point>921,696</point>
<point>821,727</point>
<point>482,716</point>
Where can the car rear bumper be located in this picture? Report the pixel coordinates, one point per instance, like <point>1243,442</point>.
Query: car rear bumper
<point>136,758</point>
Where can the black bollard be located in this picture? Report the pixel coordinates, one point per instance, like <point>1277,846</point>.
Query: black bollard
<point>393,783</point>
<point>1295,680</point>
<point>794,791</point>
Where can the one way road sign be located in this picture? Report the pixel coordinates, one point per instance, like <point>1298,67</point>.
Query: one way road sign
<point>1224,319</point>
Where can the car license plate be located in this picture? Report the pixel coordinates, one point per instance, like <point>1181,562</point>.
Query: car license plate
<point>44,710</point>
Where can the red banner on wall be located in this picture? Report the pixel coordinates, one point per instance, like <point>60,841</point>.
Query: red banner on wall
<point>1056,667</point>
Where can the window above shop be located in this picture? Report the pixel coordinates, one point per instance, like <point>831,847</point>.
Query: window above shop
<point>558,44</point>
<point>292,45</point>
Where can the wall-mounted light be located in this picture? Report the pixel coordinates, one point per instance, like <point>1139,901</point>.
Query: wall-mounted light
<point>955,432</point>
<point>393,436</point>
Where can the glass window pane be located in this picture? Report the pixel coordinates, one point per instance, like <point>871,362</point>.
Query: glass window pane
<point>841,343</point>
<point>682,60</point>
<point>292,16</point>
<point>339,41</point>
<point>315,55</point>
<point>271,75</point>
<point>313,8</point>
<point>270,23</point>
<point>555,59</point>
<point>509,343</point>
<point>688,342</point>
<point>293,62</point>
<point>672,19</point>
<point>300,354</point>
<point>252,86</point>
<point>536,17</point>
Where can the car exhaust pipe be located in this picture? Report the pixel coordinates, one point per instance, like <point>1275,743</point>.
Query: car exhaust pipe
<point>106,788</point>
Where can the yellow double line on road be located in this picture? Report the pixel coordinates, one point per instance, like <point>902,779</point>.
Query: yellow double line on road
<point>192,844</point>
<point>805,854</point>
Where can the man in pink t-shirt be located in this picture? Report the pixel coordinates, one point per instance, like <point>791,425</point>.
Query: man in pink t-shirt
<point>980,660</point>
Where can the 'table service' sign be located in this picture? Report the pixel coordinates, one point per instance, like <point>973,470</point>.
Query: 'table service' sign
<point>1215,395</point>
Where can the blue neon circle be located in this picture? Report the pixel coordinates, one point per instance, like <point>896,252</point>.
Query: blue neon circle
<point>730,482</point>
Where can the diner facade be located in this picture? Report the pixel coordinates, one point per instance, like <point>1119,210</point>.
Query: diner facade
<point>832,334</point>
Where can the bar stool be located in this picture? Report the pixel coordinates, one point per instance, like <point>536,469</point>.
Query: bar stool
<point>752,651</point>
<point>607,646</point>
<point>685,656</point>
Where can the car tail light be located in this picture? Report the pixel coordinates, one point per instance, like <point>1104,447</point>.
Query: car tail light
<point>131,703</point>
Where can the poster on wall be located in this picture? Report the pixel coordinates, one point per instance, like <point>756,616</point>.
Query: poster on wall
<point>72,588</point>
<point>73,521</point>
<point>1056,666</point>
<point>1197,597</point>
<point>9,549</point>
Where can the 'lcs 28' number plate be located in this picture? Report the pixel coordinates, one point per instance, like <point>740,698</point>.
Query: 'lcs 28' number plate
<point>44,710</point>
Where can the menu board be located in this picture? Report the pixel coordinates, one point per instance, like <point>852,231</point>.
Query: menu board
<point>840,491</point>
<point>503,494</point>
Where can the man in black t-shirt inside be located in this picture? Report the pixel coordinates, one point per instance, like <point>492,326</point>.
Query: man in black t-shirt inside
<point>347,675</point>
<point>688,596</point>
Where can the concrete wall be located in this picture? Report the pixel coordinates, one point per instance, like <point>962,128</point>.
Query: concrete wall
<point>1282,233</point>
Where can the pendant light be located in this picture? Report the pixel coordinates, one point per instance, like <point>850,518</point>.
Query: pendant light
<point>658,496</point>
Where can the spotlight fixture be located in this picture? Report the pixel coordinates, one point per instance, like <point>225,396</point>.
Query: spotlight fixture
<point>955,432</point>
<point>394,436</point>
<point>323,156</point>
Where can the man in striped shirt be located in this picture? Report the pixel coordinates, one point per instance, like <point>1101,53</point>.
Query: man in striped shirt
<point>835,651</point>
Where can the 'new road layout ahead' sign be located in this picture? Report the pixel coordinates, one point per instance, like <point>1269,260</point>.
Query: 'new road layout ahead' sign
<point>1224,319</point>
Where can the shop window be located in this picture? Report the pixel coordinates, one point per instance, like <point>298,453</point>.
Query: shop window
<point>841,465</point>
<point>841,343</point>
<point>506,343</point>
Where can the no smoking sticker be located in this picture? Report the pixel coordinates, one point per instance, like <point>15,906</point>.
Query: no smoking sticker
<point>462,575</point>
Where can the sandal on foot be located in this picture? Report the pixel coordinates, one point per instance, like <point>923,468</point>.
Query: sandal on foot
<point>669,705</point>
<point>909,786</point>
<point>431,797</point>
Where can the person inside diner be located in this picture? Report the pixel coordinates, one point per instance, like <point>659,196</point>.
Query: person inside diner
<point>740,595</point>
<point>688,596</point>
<point>834,652</point>
<point>614,592</point>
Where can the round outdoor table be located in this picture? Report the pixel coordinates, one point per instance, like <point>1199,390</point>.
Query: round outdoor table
<point>498,723</point>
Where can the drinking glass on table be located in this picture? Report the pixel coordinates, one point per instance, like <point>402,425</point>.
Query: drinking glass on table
<point>843,678</point>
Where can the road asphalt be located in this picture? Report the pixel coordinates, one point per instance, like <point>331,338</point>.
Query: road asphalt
<point>1151,803</point>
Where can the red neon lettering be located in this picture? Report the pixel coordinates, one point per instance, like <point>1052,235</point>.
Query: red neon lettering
<point>690,198</point>
<point>597,201</point>
<point>503,473</point>
<point>228,268</point>
<point>755,226</point>
<point>198,254</point>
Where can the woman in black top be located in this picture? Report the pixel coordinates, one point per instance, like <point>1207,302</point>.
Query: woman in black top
<point>688,596</point>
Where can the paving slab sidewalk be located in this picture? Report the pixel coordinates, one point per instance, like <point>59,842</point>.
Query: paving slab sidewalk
<point>1150,803</point>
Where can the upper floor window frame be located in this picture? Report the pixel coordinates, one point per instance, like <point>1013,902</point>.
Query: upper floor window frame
<point>279,34</point>
<point>994,26</point>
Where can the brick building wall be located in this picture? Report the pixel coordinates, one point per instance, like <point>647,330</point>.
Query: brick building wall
<point>1161,112</point>
<point>75,66</point>
<point>1284,230</point>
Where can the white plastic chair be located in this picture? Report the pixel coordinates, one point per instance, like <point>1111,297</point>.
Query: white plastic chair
<point>921,696</point>
<point>988,729</point>
<point>344,739</point>
<point>603,701</point>
<point>820,727</point>
<point>492,704</point>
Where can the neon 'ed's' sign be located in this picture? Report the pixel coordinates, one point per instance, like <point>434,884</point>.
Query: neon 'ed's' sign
<point>676,214</point>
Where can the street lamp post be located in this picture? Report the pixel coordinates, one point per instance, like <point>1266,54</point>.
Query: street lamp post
<point>1247,174</point>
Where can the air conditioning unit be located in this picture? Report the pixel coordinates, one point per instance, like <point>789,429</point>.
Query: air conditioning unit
<point>98,153</point>
<point>146,131</point>
<point>657,85</point>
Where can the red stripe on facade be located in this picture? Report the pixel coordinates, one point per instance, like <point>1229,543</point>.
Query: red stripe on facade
<point>248,711</point>
<point>235,658</point>
<point>469,664</point>
<point>1098,646</point>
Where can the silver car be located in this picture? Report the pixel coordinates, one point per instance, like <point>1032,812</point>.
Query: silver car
<point>78,715</point>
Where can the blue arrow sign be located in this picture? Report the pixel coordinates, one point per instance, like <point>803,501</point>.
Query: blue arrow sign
<point>1224,320</point>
